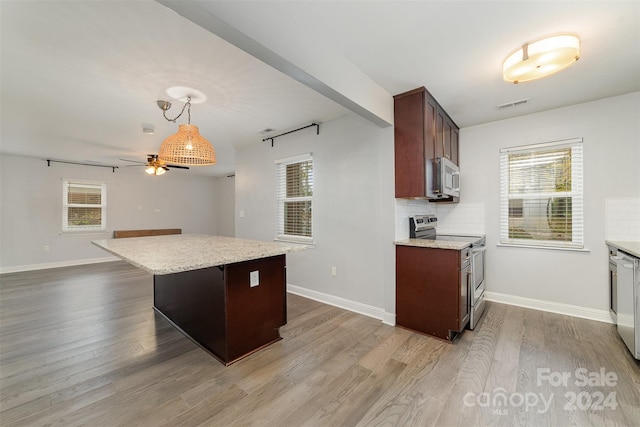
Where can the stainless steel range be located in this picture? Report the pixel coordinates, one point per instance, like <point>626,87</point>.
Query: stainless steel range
<point>424,227</point>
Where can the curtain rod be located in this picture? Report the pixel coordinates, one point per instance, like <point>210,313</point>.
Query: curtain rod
<point>113,168</point>
<point>317,125</point>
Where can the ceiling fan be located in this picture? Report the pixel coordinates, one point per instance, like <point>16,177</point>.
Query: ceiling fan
<point>154,165</point>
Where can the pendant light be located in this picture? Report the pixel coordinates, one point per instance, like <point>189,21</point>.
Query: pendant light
<point>541,58</point>
<point>187,146</point>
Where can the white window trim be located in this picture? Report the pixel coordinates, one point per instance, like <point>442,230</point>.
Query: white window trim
<point>576,194</point>
<point>280,202</point>
<point>93,229</point>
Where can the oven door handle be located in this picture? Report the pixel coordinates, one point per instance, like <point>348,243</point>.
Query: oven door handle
<point>479,249</point>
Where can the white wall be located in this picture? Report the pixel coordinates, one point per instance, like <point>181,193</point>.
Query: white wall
<point>611,132</point>
<point>31,208</point>
<point>353,208</point>
<point>226,206</point>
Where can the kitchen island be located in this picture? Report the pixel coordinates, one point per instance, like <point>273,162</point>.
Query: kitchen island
<point>228,295</point>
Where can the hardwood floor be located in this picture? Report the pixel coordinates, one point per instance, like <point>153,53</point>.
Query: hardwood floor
<point>82,346</point>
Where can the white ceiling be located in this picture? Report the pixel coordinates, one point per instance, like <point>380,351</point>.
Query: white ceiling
<point>79,80</point>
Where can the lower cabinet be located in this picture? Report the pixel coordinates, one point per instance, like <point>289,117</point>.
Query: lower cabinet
<point>220,309</point>
<point>432,290</point>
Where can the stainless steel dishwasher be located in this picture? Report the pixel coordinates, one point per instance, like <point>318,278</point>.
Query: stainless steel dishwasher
<point>627,281</point>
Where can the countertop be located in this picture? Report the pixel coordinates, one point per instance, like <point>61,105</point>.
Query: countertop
<point>183,252</point>
<point>434,244</point>
<point>632,248</point>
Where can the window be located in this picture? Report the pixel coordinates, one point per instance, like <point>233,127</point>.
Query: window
<point>295,198</point>
<point>541,195</point>
<point>84,205</point>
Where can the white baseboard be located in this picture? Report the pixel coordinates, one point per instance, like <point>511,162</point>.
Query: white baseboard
<point>390,318</point>
<point>553,307</point>
<point>31,267</point>
<point>356,307</point>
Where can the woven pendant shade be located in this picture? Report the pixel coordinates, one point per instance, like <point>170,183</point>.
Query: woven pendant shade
<point>187,147</point>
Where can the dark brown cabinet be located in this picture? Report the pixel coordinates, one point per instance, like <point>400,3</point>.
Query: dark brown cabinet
<point>432,290</point>
<point>446,144</point>
<point>221,310</point>
<point>423,131</point>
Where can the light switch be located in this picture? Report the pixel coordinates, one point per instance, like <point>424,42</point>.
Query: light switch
<point>254,278</point>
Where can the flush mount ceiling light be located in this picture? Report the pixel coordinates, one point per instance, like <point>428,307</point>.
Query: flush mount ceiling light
<point>541,58</point>
<point>187,146</point>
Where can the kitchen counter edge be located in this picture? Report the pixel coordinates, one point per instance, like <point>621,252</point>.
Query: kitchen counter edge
<point>433,244</point>
<point>630,247</point>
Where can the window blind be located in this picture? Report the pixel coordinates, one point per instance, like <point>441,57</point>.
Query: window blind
<point>84,205</point>
<point>295,198</point>
<point>541,195</point>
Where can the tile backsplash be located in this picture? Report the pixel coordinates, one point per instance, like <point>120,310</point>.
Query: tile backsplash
<point>461,218</point>
<point>622,218</point>
<point>406,208</point>
<point>454,218</point>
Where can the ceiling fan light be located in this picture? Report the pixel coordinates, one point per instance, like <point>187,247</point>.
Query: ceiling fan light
<point>151,170</point>
<point>160,170</point>
<point>187,147</point>
<point>541,58</point>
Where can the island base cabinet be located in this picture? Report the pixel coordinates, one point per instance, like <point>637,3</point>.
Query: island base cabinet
<point>222,309</point>
<point>255,314</point>
<point>193,301</point>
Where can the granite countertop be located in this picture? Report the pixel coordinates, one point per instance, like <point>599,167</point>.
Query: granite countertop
<point>183,252</point>
<point>434,244</point>
<point>630,247</point>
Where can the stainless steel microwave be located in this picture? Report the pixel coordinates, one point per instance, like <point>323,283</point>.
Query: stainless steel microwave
<point>443,178</point>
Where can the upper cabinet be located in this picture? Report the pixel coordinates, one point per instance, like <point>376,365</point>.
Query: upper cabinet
<point>446,143</point>
<point>423,131</point>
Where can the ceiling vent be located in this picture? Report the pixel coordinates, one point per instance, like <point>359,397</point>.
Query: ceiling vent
<point>512,103</point>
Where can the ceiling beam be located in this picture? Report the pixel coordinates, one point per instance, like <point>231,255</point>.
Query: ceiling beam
<point>310,62</point>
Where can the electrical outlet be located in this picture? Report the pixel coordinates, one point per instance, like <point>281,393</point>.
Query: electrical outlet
<point>334,271</point>
<point>46,248</point>
<point>254,278</point>
<point>241,214</point>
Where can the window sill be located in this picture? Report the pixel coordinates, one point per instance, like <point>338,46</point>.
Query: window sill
<point>551,248</point>
<point>301,240</point>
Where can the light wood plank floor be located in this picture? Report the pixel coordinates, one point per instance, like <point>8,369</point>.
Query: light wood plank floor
<point>82,346</point>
